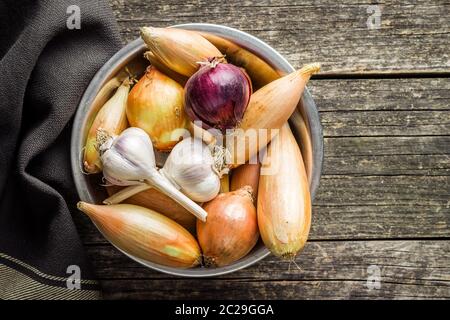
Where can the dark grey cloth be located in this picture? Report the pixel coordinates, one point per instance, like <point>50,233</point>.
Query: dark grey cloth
<point>44,69</point>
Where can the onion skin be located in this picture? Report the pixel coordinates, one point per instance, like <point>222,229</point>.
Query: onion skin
<point>261,74</point>
<point>159,202</point>
<point>155,104</point>
<point>145,234</point>
<point>225,184</point>
<point>284,202</point>
<point>281,95</point>
<point>301,133</point>
<point>218,95</point>
<point>246,175</point>
<point>259,71</point>
<point>231,229</point>
<point>154,61</point>
<point>270,108</point>
<point>110,118</point>
<point>180,50</point>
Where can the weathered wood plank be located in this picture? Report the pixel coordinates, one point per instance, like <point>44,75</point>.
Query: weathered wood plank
<point>365,207</point>
<point>378,187</point>
<point>353,222</point>
<point>413,35</point>
<point>382,207</point>
<point>385,146</point>
<point>412,94</point>
<point>387,156</point>
<point>386,166</point>
<point>384,190</point>
<point>383,107</point>
<point>380,222</point>
<point>272,290</point>
<point>408,269</point>
<point>385,123</point>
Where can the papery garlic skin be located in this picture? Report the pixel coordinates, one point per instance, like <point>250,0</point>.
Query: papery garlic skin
<point>129,158</point>
<point>190,166</point>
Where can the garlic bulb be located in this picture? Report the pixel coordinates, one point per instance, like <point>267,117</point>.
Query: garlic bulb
<point>128,159</point>
<point>190,166</point>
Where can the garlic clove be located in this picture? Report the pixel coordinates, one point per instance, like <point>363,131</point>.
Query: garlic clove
<point>190,166</point>
<point>204,186</point>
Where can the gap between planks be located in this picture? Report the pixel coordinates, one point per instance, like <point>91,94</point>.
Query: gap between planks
<point>369,75</point>
<point>312,240</point>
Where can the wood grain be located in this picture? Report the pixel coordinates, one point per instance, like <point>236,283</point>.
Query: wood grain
<point>413,35</point>
<point>385,123</point>
<point>387,156</point>
<point>412,94</point>
<point>379,187</point>
<point>368,207</point>
<point>384,198</point>
<point>327,270</point>
<point>383,107</point>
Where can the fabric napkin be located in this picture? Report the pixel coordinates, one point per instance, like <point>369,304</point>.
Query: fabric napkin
<point>49,52</point>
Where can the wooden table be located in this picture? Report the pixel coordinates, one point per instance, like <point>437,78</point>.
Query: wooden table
<point>384,199</point>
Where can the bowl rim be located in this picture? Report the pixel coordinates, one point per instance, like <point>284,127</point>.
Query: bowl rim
<point>242,38</point>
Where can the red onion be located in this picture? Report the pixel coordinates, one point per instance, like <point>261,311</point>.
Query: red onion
<point>218,94</point>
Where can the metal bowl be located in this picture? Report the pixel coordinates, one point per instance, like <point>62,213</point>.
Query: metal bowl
<point>88,186</point>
